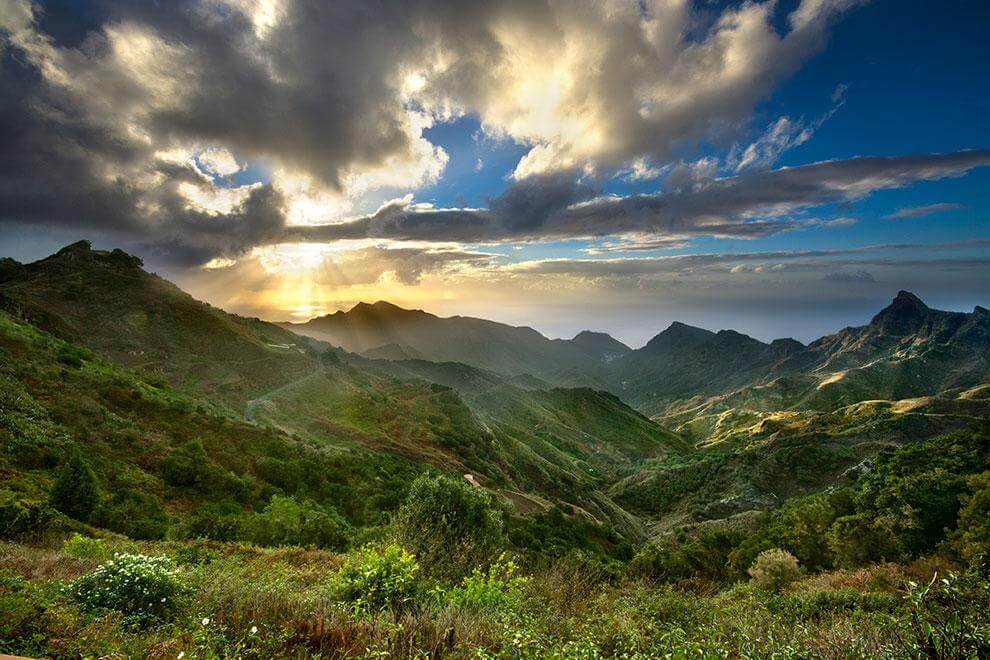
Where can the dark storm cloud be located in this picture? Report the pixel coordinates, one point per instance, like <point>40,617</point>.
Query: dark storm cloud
<point>91,115</point>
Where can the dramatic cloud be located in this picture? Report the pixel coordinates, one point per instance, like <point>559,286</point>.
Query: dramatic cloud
<point>921,211</point>
<point>132,124</point>
<point>749,205</point>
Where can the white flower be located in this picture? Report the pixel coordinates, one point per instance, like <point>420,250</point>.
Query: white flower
<point>181,655</point>
<point>206,621</point>
<point>254,630</point>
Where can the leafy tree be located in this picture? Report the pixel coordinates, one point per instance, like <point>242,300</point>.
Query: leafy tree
<point>187,465</point>
<point>861,539</point>
<point>75,492</point>
<point>910,500</point>
<point>449,525</point>
<point>973,536</point>
<point>801,528</point>
<point>220,521</point>
<point>288,521</point>
<point>132,512</point>
<point>22,516</point>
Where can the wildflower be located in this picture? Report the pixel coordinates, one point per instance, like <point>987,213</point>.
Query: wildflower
<point>206,621</point>
<point>254,630</point>
<point>181,655</point>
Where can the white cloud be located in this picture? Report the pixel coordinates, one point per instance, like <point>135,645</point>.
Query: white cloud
<point>218,161</point>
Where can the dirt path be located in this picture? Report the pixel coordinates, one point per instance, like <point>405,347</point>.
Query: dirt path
<point>253,403</point>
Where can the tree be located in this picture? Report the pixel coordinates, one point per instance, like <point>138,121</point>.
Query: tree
<point>75,493</point>
<point>449,525</point>
<point>288,521</point>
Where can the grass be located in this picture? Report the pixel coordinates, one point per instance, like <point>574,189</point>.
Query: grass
<point>251,602</point>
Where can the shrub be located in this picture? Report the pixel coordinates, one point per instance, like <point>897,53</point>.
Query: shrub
<point>449,525</point>
<point>659,563</point>
<point>774,569</point>
<point>287,521</point>
<point>23,610</point>
<point>374,580</point>
<point>948,618</point>
<point>143,588</point>
<point>86,547</point>
<point>860,539</point>
<point>223,521</point>
<point>72,356</point>
<point>973,536</point>
<point>134,513</point>
<point>22,516</point>
<point>75,492</point>
<point>187,465</point>
<point>495,590</point>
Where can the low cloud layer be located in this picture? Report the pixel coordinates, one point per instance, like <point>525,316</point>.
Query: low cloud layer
<point>922,211</point>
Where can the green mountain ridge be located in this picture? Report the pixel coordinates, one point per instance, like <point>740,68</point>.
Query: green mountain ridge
<point>508,350</point>
<point>753,424</point>
<point>559,445</point>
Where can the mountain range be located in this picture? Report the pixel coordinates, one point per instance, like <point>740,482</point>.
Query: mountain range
<point>878,360</point>
<point>695,426</point>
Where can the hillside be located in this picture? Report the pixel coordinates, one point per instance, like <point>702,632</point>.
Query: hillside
<point>106,302</point>
<point>561,445</point>
<point>684,361</point>
<point>756,423</point>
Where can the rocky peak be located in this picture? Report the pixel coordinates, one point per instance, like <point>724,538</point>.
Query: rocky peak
<point>905,314</point>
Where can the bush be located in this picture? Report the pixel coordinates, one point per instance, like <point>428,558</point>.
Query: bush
<point>187,465</point>
<point>287,521</point>
<point>23,613</point>
<point>374,580</point>
<point>134,513</point>
<point>774,569</point>
<point>973,536</point>
<point>948,618</point>
<point>143,588</point>
<point>449,525</point>
<point>21,516</point>
<point>75,492</point>
<point>223,521</point>
<point>86,547</point>
<point>495,590</point>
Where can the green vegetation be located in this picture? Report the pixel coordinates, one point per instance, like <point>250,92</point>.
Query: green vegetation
<point>678,596</point>
<point>449,525</point>
<point>142,588</point>
<point>374,580</point>
<point>369,508</point>
<point>774,569</point>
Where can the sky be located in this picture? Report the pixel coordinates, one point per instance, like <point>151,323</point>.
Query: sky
<point>779,168</point>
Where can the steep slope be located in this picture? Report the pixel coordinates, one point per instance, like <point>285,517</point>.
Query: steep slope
<point>105,301</point>
<point>684,361</point>
<point>561,445</point>
<point>486,344</point>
